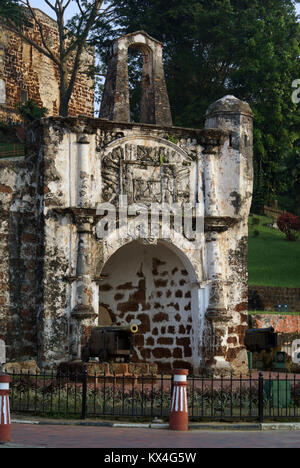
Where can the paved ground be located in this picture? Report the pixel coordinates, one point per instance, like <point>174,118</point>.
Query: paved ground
<point>53,436</point>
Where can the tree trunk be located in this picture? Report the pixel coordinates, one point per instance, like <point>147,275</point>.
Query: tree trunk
<point>64,92</point>
<point>64,106</point>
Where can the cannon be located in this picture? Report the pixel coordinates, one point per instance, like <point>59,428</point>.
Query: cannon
<point>260,339</point>
<point>110,343</point>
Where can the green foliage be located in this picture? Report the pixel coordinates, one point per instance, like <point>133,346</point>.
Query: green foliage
<point>289,225</point>
<point>10,10</point>
<point>271,260</point>
<point>172,139</point>
<point>31,111</point>
<point>73,35</point>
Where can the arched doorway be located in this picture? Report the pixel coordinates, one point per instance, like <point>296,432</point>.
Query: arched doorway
<point>154,286</point>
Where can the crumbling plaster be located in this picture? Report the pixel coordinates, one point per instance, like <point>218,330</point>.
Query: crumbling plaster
<point>50,216</point>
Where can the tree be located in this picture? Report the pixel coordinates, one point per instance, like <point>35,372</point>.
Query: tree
<point>218,47</point>
<point>17,15</point>
<point>289,225</point>
<point>31,111</point>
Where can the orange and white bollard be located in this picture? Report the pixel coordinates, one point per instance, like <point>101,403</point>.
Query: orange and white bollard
<point>179,413</point>
<point>4,409</point>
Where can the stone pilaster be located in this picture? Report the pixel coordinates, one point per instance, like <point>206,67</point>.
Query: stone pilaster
<point>83,312</point>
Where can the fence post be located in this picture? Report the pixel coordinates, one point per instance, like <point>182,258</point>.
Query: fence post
<point>5,426</point>
<point>179,412</point>
<point>261,398</point>
<point>84,394</point>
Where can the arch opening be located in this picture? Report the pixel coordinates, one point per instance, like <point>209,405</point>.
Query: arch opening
<point>152,286</point>
<point>141,89</point>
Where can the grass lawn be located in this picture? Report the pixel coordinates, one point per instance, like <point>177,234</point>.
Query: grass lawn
<point>273,261</point>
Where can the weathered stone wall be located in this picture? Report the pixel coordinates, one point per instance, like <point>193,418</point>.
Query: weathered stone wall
<point>189,296</point>
<point>154,106</point>
<point>19,277</point>
<point>270,297</point>
<point>25,73</point>
<point>209,327</point>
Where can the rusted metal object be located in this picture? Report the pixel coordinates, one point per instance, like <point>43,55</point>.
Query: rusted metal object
<point>110,343</point>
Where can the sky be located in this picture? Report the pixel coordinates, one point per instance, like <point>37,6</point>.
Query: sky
<point>72,8</point>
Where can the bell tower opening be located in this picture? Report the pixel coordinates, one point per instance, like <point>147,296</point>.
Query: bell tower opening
<point>125,101</point>
<point>141,92</point>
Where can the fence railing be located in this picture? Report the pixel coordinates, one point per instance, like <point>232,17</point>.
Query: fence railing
<point>272,212</point>
<point>254,397</point>
<point>11,150</point>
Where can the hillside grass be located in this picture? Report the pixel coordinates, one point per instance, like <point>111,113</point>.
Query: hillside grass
<point>272,261</point>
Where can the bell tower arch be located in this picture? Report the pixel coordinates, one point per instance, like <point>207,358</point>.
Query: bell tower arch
<point>155,106</point>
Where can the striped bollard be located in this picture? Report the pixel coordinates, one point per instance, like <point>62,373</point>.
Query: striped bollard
<point>4,409</point>
<point>179,413</point>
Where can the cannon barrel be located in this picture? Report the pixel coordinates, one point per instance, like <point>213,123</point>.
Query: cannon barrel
<point>111,342</point>
<point>133,328</point>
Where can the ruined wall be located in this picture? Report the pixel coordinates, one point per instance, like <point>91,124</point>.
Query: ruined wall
<point>25,74</point>
<point>20,245</point>
<point>270,297</point>
<point>154,105</point>
<point>8,177</point>
<point>281,323</point>
<point>188,296</point>
<point>85,161</point>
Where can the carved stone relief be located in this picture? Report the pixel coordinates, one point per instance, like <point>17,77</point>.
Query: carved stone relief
<point>147,174</point>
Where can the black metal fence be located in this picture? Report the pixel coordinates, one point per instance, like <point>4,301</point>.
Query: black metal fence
<point>256,397</point>
<point>11,150</point>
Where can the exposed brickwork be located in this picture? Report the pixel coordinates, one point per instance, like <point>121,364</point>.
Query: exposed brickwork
<point>20,254</point>
<point>158,337</point>
<point>155,106</point>
<point>28,74</point>
<point>271,297</point>
<point>280,323</point>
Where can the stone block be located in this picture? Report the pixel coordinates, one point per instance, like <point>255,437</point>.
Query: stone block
<point>22,367</point>
<point>2,352</point>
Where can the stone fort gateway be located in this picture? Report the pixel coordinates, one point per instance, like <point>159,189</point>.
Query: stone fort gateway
<point>59,278</point>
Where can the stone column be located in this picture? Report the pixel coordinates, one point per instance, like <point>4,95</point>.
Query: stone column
<point>217,313</point>
<point>216,309</point>
<point>83,175</point>
<point>83,312</point>
<point>234,118</point>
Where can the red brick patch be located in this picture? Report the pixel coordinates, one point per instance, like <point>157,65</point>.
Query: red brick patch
<point>160,353</point>
<point>160,317</point>
<point>5,189</point>
<point>165,340</point>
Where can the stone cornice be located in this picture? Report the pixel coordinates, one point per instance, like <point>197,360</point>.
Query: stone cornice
<point>211,224</point>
